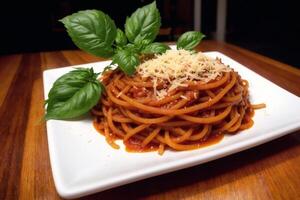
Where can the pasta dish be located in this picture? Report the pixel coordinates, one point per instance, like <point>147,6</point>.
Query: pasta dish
<point>179,100</point>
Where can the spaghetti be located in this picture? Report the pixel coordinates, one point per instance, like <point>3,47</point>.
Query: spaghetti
<point>189,116</point>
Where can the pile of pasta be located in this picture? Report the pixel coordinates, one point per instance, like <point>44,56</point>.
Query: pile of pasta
<point>185,118</point>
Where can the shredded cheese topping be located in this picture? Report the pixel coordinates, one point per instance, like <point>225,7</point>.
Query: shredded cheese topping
<point>176,67</point>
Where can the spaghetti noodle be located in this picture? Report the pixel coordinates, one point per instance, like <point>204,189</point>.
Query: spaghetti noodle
<point>189,116</point>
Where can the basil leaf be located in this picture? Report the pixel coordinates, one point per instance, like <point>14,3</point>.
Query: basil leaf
<point>73,94</point>
<point>189,40</point>
<point>92,31</point>
<point>121,39</point>
<point>133,48</point>
<point>155,48</point>
<point>127,61</point>
<point>143,24</point>
<point>77,75</point>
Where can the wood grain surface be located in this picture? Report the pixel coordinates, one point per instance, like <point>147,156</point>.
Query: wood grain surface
<point>269,171</point>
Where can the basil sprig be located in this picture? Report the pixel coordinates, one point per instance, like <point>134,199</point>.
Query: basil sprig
<point>76,92</point>
<point>95,32</point>
<point>73,94</point>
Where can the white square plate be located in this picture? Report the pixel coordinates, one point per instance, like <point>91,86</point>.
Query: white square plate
<point>83,163</point>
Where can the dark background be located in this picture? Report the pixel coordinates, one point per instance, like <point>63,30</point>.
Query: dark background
<point>270,28</point>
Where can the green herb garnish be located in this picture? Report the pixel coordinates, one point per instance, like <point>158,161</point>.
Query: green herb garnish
<point>73,94</point>
<point>189,40</point>
<point>143,25</point>
<point>76,92</point>
<point>92,31</point>
<point>126,60</point>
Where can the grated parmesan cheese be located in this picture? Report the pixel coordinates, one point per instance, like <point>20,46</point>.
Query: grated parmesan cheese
<point>176,67</point>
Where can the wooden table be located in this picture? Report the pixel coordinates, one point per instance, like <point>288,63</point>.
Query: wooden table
<point>269,171</point>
